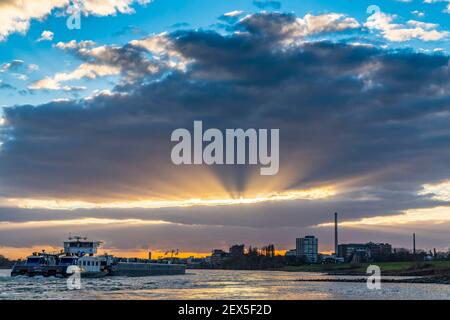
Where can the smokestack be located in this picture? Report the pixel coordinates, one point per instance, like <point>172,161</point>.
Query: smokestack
<point>414,245</point>
<point>336,234</point>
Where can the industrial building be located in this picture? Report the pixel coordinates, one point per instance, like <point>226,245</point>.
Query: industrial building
<point>308,247</point>
<point>361,252</point>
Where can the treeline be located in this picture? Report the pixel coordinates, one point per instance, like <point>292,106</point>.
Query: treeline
<point>5,263</point>
<point>260,262</point>
<point>258,259</point>
<point>401,255</point>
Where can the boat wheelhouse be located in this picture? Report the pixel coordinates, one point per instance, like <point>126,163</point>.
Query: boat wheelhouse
<point>81,252</point>
<point>81,246</point>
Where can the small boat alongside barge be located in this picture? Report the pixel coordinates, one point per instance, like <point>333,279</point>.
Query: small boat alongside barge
<point>82,254</point>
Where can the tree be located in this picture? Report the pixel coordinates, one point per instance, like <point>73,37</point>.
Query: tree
<point>5,262</point>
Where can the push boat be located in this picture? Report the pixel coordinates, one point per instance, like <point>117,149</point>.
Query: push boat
<point>82,253</point>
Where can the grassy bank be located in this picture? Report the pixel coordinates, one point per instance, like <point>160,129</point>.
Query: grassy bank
<point>386,267</point>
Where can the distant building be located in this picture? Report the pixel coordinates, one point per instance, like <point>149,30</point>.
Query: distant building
<point>308,247</point>
<point>217,257</point>
<point>379,249</point>
<point>329,259</point>
<point>291,253</point>
<point>237,250</point>
<point>364,251</point>
<point>356,252</point>
<point>428,257</point>
<point>196,263</point>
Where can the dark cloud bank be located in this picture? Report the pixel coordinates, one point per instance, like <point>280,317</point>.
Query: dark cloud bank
<point>375,119</point>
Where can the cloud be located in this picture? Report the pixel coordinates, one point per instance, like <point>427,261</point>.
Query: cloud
<point>288,28</point>
<point>16,16</point>
<point>329,22</point>
<point>32,67</point>
<point>128,61</point>
<point>11,66</point>
<point>418,13</point>
<point>20,76</point>
<point>232,16</point>
<point>17,69</point>
<point>370,123</point>
<point>401,32</point>
<point>73,44</point>
<point>234,13</point>
<point>219,66</point>
<point>46,36</point>
<point>85,70</point>
<point>4,85</point>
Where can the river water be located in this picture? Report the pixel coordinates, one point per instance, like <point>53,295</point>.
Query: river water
<point>213,284</point>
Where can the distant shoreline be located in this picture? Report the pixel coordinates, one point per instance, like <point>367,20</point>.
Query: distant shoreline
<point>436,272</point>
<point>439,276</point>
<point>423,280</point>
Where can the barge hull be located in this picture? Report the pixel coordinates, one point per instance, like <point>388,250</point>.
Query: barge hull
<point>45,271</point>
<point>146,269</point>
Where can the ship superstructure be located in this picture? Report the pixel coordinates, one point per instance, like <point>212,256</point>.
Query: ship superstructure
<point>81,252</point>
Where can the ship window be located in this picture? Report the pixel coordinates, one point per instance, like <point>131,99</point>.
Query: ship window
<point>33,260</point>
<point>67,261</point>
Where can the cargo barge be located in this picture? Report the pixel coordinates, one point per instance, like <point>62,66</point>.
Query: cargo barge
<point>81,253</point>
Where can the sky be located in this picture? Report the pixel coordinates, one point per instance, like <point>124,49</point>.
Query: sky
<point>358,89</point>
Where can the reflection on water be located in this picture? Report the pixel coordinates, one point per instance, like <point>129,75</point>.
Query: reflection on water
<point>212,284</point>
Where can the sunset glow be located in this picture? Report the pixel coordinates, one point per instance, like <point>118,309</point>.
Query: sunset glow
<point>436,215</point>
<point>311,194</point>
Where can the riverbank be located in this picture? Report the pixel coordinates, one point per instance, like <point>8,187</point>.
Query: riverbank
<point>406,268</point>
<point>437,272</point>
<point>436,279</point>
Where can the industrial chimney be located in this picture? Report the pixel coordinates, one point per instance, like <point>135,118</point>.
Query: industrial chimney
<point>336,234</point>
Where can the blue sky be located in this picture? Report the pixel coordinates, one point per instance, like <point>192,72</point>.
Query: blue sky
<point>361,100</point>
<point>160,16</point>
